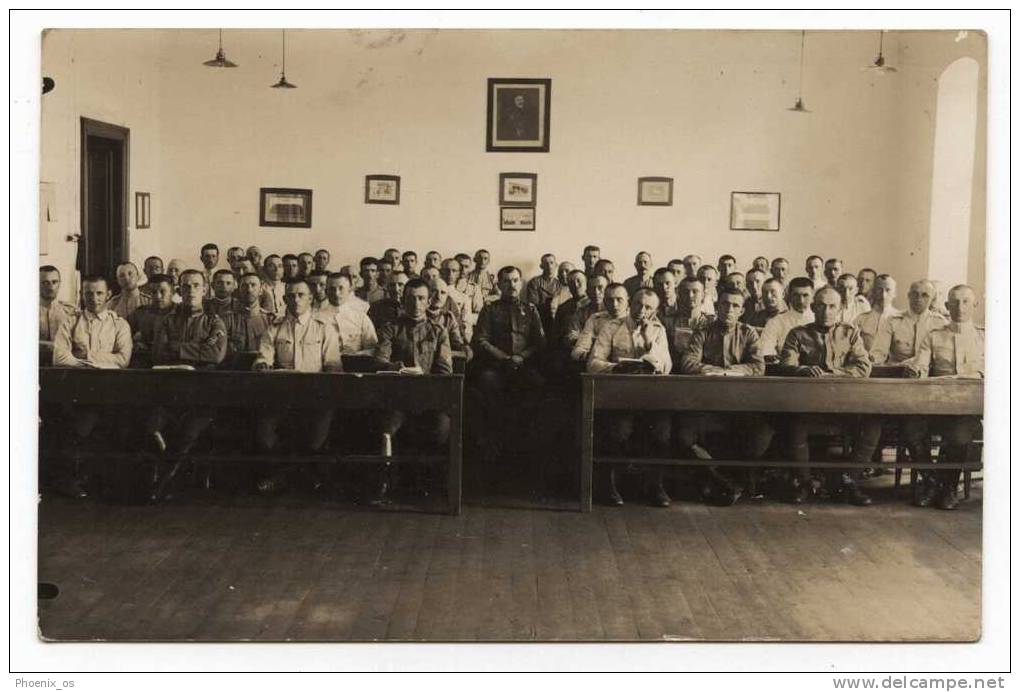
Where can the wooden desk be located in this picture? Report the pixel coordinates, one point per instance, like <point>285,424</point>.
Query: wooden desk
<point>133,388</point>
<point>881,396</point>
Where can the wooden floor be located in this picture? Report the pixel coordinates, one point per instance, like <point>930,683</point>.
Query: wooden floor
<point>257,569</point>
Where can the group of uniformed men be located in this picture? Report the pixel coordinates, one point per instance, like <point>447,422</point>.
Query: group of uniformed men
<point>294,313</point>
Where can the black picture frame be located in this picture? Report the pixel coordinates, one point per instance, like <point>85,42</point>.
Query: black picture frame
<point>642,195</point>
<point>507,179</point>
<point>505,130</point>
<point>738,218</point>
<point>372,196</point>
<point>508,216</point>
<point>143,210</point>
<point>295,211</point>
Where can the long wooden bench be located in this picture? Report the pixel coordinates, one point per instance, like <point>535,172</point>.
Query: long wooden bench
<point>777,395</point>
<point>250,390</point>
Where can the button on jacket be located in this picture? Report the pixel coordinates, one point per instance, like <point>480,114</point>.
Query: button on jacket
<point>306,343</point>
<point>737,349</point>
<point>103,340</point>
<point>421,343</point>
<point>191,337</point>
<point>627,338</point>
<point>508,328</point>
<point>839,350</point>
<point>898,338</point>
<point>956,349</point>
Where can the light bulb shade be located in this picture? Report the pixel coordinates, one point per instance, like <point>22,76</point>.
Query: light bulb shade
<point>284,84</point>
<point>220,60</point>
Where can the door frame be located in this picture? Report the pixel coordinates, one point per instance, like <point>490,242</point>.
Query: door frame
<point>97,128</point>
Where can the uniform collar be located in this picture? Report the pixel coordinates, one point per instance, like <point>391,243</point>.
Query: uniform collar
<point>302,319</point>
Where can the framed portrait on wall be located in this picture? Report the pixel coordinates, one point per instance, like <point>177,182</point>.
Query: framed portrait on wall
<point>754,211</point>
<point>382,189</point>
<point>518,189</point>
<point>655,192</point>
<point>285,207</point>
<point>516,218</point>
<point>517,114</point>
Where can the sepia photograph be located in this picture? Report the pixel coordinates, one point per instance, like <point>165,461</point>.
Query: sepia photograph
<point>518,115</point>
<point>382,189</point>
<point>285,207</point>
<point>412,426</point>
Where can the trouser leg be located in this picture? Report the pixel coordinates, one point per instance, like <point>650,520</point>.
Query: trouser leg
<point>266,427</point>
<point>319,422</point>
<point>194,422</point>
<point>800,429</point>
<point>957,433</point>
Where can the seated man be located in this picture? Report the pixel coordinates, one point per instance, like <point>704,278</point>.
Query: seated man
<point>853,304</point>
<point>955,350</point>
<point>449,273</point>
<point>814,268</point>
<point>799,297</point>
<point>234,255</point>
<point>433,259</point>
<point>754,284</point>
<point>543,288</point>
<point>692,263</point>
<point>575,283</point>
<point>354,328</point>
<point>322,260</point>
<point>587,319</point>
<point>635,344</point>
<point>151,267</point>
<point>439,314</point>
<point>352,300</point>
<point>883,293</point>
<point>254,255</point>
<point>209,256</point>
<point>727,347</point>
<point>317,282</point>
<point>709,278</point>
<point>415,344</point>
<point>371,290</point>
<point>388,309</point>
<point>186,336</point>
<point>827,348</point>
<point>689,318</point>
<point>483,278</point>
<point>589,256</point>
<point>93,338</point>
<point>223,286</point>
<point>174,270</point>
<point>507,339</point>
<point>52,311</point>
<point>273,287</point>
<point>643,276</point>
<point>291,268</point>
<point>144,320</point>
<point>306,264</point>
<point>772,304</point>
<point>392,255</point>
<point>726,265</point>
<point>130,298</point>
<point>664,283</point>
<point>833,270</point>
<point>605,267</point>
<point>302,342</point>
<point>246,324</point>
<point>780,269</point>
<point>761,264</point>
<point>866,282</point>
<point>562,274</point>
<point>898,338</point>
<point>409,260</point>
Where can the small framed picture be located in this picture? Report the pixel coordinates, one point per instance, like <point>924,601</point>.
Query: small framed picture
<point>142,208</point>
<point>754,211</point>
<point>655,192</point>
<point>518,189</point>
<point>517,114</point>
<point>382,189</point>
<point>285,207</point>
<point>516,218</point>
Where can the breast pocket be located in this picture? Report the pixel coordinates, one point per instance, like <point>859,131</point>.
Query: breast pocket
<point>284,349</point>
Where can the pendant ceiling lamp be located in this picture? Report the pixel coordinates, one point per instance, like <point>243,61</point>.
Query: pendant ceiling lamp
<point>879,64</point>
<point>283,83</point>
<point>221,58</point>
<point>798,105</point>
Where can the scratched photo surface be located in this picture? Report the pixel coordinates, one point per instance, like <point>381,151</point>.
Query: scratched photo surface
<point>747,407</point>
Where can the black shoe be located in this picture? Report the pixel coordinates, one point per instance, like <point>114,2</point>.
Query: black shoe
<point>852,495</point>
<point>948,499</point>
<point>926,496</point>
<point>660,498</point>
